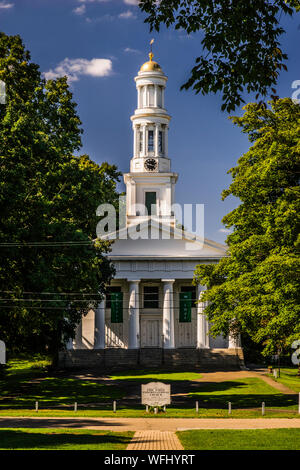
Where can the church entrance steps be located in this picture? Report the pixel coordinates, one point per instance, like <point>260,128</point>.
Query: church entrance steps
<point>154,440</point>
<point>119,358</point>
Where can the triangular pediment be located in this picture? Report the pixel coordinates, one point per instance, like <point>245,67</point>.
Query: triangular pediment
<point>154,239</point>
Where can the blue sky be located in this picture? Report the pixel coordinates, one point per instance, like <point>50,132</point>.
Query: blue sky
<point>66,35</point>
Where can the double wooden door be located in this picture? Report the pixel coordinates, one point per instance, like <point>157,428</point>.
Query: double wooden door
<point>151,332</point>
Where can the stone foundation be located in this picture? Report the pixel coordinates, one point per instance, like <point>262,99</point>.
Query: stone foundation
<point>118,358</point>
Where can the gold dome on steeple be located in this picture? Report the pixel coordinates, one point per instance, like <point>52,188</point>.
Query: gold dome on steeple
<point>151,65</point>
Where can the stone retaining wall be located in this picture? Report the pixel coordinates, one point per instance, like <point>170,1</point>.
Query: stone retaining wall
<point>118,358</point>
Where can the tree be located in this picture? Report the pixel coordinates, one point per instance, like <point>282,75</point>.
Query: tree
<point>255,290</point>
<point>240,43</point>
<point>51,268</point>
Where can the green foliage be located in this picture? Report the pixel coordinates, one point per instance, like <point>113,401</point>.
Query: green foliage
<point>256,288</point>
<point>240,43</point>
<point>49,196</point>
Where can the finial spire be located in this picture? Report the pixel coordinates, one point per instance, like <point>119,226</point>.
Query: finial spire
<point>151,53</point>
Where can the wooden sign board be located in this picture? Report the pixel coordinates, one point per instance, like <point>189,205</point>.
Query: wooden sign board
<point>156,394</point>
<point>2,352</point>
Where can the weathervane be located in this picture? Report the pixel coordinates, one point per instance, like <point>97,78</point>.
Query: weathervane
<point>151,53</point>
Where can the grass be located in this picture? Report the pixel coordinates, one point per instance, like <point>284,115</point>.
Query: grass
<point>139,412</point>
<point>62,439</point>
<point>27,381</point>
<point>289,377</point>
<point>146,375</point>
<point>242,393</point>
<point>254,439</point>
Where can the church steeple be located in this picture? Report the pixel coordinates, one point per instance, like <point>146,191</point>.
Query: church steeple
<point>150,183</point>
<point>150,120</point>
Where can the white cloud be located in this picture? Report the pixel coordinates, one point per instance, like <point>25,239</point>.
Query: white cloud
<point>224,230</point>
<point>132,51</point>
<point>5,6</point>
<point>80,10</point>
<point>73,68</point>
<point>126,15</point>
<point>131,2</point>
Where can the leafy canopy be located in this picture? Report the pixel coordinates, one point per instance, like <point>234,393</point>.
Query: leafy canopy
<point>47,195</point>
<point>256,288</point>
<point>240,43</point>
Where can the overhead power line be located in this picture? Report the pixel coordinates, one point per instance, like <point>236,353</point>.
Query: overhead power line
<point>46,244</point>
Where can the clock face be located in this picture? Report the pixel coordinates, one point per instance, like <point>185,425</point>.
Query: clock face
<point>150,164</point>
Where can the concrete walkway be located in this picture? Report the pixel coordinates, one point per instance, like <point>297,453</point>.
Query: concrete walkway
<point>154,440</point>
<point>149,424</point>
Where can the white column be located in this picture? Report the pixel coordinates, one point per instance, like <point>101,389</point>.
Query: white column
<point>134,141</point>
<point>77,343</point>
<point>202,323</point>
<point>168,314</point>
<point>134,315</point>
<point>100,326</point>
<point>234,340</point>
<point>155,95</point>
<point>139,97</point>
<point>156,152</point>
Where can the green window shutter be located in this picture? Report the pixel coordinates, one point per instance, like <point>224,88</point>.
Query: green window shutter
<point>185,311</point>
<point>116,307</point>
<point>150,200</point>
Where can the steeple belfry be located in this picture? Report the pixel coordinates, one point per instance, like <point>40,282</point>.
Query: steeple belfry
<point>150,120</point>
<point>150,177</point>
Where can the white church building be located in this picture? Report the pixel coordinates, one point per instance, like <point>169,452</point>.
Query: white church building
<point>152,314</point>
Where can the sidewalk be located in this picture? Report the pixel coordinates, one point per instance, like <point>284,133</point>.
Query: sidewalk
<point>144,424</point>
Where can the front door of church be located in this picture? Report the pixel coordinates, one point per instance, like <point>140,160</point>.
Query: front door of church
<point>151,332</point>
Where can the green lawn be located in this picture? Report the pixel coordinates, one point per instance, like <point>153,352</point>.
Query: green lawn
<point>146,375</point>
<point>289,377</point>
<point>27,381</point>
<point>139,412</point>
<point>62,439</point>
<point>242,393</point>
<point>254,439</point>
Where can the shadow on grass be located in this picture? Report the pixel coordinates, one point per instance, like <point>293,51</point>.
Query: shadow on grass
<point>55,391</point>
<point>247,393</point>
<point>18,439</point>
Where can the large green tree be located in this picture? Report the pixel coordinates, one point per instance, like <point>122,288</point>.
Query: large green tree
<point>51,268</point>
<point>240,48</point>
<point>255,290</point>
